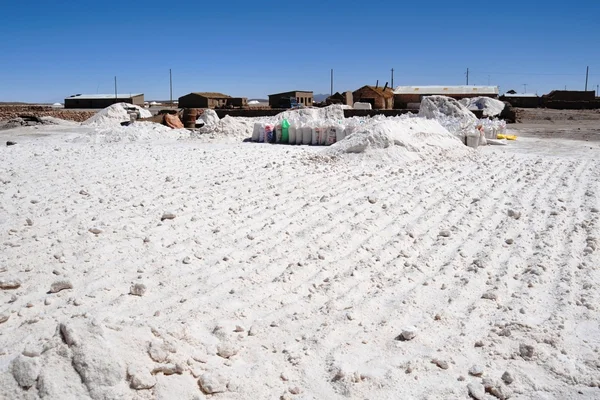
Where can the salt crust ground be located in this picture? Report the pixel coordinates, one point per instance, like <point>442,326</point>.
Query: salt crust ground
<point>288,272</point>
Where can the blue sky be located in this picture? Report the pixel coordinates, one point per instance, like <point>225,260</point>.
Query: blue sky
<point>51,49</point>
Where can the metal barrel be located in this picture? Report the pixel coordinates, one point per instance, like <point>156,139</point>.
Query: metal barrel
<point>189,117</point>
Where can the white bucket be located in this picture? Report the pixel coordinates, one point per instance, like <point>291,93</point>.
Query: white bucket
<point>306,135</point>
<point>331,135</point>
<point>256,132</point>
<point>473,141</point>
<point>299,132</point>
<point>315,135</point>
<point>340,133</point>
<point>322,132</point>
<point>261,133</point>
<point>349,130</point>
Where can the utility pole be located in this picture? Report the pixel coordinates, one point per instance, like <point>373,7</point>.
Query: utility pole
<point>392,78</point>
<point>525,85</point>
<point>587,71</point>
<point>116,97</point>
<point>171,86</point>
<point>467,76</point>
<point>331,81</point>
<point>597,90</point>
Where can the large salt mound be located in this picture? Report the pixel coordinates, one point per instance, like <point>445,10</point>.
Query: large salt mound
<point>451,114</point>
<point>411,139</point>
<point>491,107</point>
<point>115,114</point>
<point>138,131</point>
<point>308,115</point>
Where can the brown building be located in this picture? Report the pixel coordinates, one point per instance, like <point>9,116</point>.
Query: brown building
<point>102,100</point>
<point>380,98</point>
<point>282,100</point>
<point>570,100</point>
<point>404,95</point>
<point>570,95</point>
<point>211,100</point>
<point>522,100</point>
<point>345,98</point>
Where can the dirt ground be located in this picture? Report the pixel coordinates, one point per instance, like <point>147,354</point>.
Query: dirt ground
<point>565,124</point>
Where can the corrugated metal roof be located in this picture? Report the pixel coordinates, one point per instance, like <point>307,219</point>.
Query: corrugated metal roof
<point>104,96</point>
<point>520,95</point>
<point>446,90</point>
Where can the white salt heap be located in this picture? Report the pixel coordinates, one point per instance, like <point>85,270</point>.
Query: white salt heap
<point>209,118</point>
<point>312,115</point>
<point>491,107</point>
<point>115,114</point>
<point>451,114</point>
<point>138,131</point>
<point>412,138</point>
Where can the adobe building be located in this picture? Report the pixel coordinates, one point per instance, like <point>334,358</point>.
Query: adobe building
<point>102,100</point>
<point>211,100</point>
<point>282,100</point>
<point>522,100</point>
<point>344,98</point>
<point>380,98</point>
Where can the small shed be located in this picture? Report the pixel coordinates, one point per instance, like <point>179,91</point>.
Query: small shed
<point>380,98</point>
<point>211,100</point>
<point>282,100</point>
<point>345,98</point>
<point>103,100</point>
<point>522,100</point>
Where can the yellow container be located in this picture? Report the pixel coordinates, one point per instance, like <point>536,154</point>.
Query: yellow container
<point>507,137</point>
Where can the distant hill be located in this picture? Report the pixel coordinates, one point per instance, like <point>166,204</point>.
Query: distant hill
<point>317,98</point>
<point>260,100</point>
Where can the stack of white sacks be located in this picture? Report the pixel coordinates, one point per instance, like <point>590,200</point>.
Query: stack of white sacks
<point>322,133</point>
<point>324,126</point>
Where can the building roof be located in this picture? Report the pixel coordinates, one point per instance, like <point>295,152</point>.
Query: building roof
<point>212,95</point>
<point>444,90</point>
<point>291,91</point>
<point>387,93</point>
<point>104,96</point>
<point>520,95</point>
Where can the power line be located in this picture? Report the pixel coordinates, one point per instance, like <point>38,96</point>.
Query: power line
<point>524,73</point>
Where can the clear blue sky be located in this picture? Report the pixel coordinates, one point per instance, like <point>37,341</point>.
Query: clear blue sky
<point>52,49</point>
